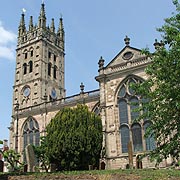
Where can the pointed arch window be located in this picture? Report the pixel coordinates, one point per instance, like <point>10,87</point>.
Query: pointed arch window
<point>25,55</point>
<point>24,68</point>
<point>31,134</point>
<point>96,109</point>
<point>49,69</point>
<point>30,66</point>
<point>122,91</point>
<point>54,58</point>
<point>31,53</point>
<point>55,72</point>
<point>128,101</point>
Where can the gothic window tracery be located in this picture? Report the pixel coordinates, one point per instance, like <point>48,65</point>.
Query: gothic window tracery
<point>130,130</point>
<point>31,134</point>
<point>96,109</point>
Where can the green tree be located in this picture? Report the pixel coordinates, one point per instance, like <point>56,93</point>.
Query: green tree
<point>74,139</point>
<point>40,152</point>
<point>161,90</point>
<point>13,159</point>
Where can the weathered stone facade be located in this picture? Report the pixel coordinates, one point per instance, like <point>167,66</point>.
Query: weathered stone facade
<point>39,93</point>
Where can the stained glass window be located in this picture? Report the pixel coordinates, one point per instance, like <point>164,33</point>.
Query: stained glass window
<point>123,113</point>
<point>128,101</point>
<point>122,91</point>
<point>124,138</point>
<point>137,137</point>
<point>31,133</point>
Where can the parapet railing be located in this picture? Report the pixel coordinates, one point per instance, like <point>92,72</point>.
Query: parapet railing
<point>59,103</point>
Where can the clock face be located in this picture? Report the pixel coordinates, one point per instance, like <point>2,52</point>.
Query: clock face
<point>53,93</point>
<point>26,91</point>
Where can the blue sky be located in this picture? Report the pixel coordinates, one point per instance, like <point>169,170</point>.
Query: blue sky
<point>93,28</point>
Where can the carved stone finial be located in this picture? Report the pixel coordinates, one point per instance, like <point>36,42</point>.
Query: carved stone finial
<point>127,40</point>
<point>101,63</point>
<point>162,44</point>
<point>156,44</point>
<point>82,88</point>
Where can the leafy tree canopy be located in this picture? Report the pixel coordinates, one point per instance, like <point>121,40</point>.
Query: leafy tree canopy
<point>74,138</point>
<point>162,90</point>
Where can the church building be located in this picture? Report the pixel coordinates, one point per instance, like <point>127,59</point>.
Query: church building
<point>39,93</point>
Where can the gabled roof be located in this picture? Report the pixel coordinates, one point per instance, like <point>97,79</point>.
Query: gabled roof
<point>128,53</point>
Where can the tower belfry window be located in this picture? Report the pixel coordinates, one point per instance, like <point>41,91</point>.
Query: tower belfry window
<point>54,58</point>
<point>24,68</point>
<point>49,54</point>
<point>32,53</point>
<point>25,55</point>
<point>55,71</point>
<point>30,66</point>
<point>49,69</point>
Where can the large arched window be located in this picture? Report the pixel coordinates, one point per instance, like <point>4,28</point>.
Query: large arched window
<point>124,138</point>
<point>31,133</point>
<point>128,101</point>
<point>137,137</point>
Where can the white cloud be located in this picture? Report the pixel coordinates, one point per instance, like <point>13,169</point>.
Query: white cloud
<point>7,53</point>
<point>7,43</point>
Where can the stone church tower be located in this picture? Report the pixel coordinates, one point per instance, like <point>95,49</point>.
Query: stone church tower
<point>39,73</point>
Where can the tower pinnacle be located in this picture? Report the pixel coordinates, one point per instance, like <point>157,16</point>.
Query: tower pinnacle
<point>42,17</point>
<point>31,23</point>
<point>60,31</point>
<point>22,26</point>
<point>52,26</point>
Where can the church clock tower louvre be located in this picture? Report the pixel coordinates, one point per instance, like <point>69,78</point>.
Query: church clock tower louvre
<point>39,77</point>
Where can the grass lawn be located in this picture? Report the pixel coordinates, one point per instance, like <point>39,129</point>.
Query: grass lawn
<point>149,174</point>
